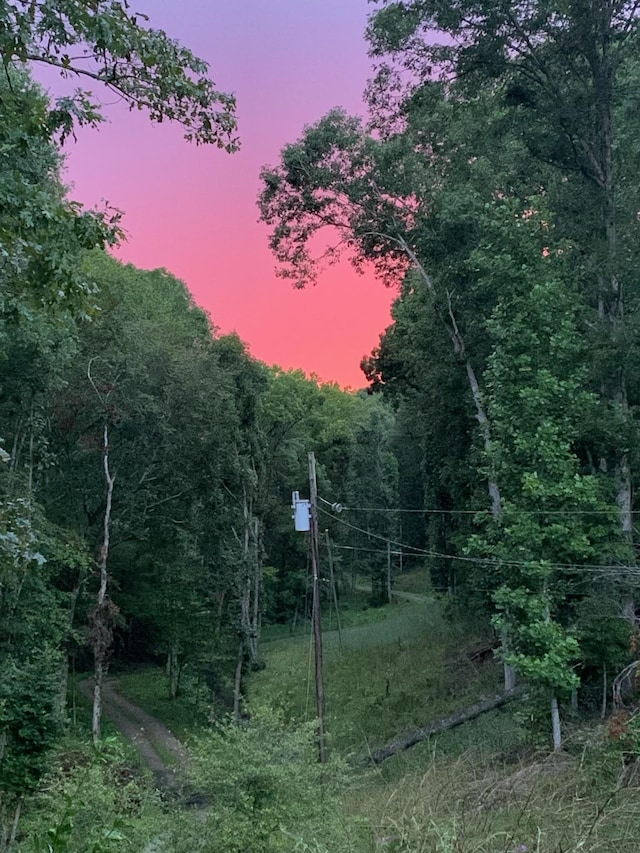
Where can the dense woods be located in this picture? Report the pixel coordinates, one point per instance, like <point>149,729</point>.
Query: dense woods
<point>494,179</point>
<point>147,461</point>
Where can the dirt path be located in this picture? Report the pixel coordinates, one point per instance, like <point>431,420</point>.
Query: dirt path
<point>396,593</point>
<point>159,749</point>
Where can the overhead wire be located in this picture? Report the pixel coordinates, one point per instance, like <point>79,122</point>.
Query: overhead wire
<point>476,512</point>
<point>593,568</point>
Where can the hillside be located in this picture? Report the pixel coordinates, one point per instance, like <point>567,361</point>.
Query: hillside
<point>481,787</point>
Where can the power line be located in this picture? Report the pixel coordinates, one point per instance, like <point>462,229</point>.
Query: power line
<point>487,512</point>
<point>593,568</point>
<point>338,507</point>
<point>374,550</point>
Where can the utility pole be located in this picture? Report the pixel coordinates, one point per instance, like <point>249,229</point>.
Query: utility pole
<point>317,629</point>
<point>332,579</point>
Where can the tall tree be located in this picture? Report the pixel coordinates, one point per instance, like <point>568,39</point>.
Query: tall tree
<point>557,67</point>
<point>554,517</point>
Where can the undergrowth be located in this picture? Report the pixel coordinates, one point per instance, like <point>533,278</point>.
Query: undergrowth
<point>479,788</point>
<point>388,675</point>
<point>581,800</point>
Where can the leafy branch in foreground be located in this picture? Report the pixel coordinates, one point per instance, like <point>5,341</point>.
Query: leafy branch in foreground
<point>104,42</point>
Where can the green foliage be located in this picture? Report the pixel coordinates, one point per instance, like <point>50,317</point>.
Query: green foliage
<point>536,401</point>
<point>105,42</point>
<point>42,233</point>
<point>267,789</point>
<point>90,801</point>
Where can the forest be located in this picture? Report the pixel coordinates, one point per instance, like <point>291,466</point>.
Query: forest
<point>476,503</point>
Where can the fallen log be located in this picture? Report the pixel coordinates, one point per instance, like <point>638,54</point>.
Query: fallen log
<point>377,756</point>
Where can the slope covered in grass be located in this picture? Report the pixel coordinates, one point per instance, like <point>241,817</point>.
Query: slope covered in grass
<point>405,667</point>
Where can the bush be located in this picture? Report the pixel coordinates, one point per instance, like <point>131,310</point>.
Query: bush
<point>90,801</point>
<point>268,793</point>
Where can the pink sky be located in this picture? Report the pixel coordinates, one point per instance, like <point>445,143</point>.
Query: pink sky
<point>193,210</point>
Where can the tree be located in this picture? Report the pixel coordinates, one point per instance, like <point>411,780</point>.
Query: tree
<point>553,516</point>
<point>558,69</point>
<point>103,41</point>
<point>42,234</point>
<point>340,180</point>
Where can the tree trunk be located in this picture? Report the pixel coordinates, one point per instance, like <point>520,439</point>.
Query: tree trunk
<point>460,349</point>
<point>441,725</point>
<point>173,671</point>
<point>250,609</point>
<point>256,621</point>
<point>613,297</point>
<point>64,666</point>
<point>8,837</point>
<point>555,724</point>
<point>237,685</point>
<point>332,580</point>
<point>509,672</point>
<point>102,617</point>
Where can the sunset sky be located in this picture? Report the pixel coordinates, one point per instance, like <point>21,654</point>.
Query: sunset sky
<point>193,210</point>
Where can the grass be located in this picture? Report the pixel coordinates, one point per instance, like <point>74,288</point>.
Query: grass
<point>148,688</point>
<point>475,789</point>
<point>416,581</point>
<point>400,670</point>
<point>472,804</point>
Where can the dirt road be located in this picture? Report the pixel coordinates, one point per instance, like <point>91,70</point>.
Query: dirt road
<point>159,749</point>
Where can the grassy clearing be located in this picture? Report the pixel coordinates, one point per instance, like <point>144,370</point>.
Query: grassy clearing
<point>396,672</point>
<point>475,789</point>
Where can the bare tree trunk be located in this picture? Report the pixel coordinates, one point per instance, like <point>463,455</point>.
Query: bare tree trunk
<point>256,620</point>
<point>250,607</point>
<point>509,672</point>
<point>555,724</point>
<point>102,633</point>
<point>237,684</point>
<point>8,838</point>
<point>459,347</point>
<point>441,725</point>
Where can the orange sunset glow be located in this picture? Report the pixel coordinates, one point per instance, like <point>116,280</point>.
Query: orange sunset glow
<point>193,210</point>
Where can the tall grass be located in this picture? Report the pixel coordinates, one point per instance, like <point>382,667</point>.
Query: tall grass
<point>551,804</point>
<point>388,675</point>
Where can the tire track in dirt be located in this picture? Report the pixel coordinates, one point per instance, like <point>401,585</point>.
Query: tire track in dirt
<point>147,734</point>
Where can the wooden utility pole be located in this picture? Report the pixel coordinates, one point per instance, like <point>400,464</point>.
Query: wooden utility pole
<point>317,629</point>
<point>332,580</point>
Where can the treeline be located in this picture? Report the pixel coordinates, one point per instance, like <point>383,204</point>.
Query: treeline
<point>147,467</point>
<point>495,178</point>
<point>148,463</point>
